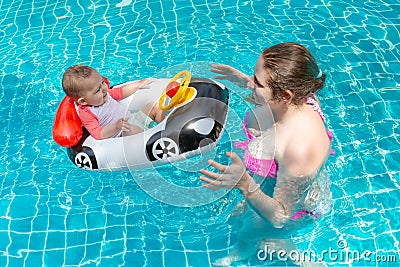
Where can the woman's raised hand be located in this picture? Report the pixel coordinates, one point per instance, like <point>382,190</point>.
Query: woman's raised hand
<point>233,75</point>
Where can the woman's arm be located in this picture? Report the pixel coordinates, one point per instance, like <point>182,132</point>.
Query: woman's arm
<point>297,167</point>
<point>265,206</point>
<point>235,176</point>
<point>277,209</point>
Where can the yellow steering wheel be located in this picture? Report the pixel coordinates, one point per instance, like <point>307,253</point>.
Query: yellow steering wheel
<point>175,90</point>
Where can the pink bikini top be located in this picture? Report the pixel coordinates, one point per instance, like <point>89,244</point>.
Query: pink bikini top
<point>269,167</point>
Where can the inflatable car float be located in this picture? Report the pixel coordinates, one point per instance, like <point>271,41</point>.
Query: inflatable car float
<point>196,115</point>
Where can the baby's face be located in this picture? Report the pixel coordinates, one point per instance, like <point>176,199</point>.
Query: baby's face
<point>96,93</point>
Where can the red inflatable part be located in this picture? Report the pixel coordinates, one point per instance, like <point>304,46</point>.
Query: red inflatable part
<point>67,127</point>
<point>172,88</point>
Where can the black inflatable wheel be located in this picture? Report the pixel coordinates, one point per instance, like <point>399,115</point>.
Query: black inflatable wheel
<point>82,160</point>
<point>164,148</point>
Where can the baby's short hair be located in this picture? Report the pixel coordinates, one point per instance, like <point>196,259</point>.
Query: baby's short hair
<point>72,77</point>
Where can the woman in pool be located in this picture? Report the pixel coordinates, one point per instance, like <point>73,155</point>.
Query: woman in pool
<point>286,78</point>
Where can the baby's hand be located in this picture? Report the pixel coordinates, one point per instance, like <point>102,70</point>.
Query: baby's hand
<point>145,83</point>
<point>123,125</point>
<point>126,127</point>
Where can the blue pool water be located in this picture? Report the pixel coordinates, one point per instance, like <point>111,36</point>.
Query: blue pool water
<point>53,214</point>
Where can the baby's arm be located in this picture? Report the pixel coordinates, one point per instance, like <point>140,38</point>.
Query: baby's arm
<point>122,125</point>
<point>91,123</point>
<point>132,87</point>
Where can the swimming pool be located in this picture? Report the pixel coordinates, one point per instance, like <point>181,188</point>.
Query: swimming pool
<point>54,214</point>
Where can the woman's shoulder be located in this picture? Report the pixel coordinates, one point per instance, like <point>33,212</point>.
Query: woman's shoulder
<point>302,160</point>
<point>307,125</point>
<point>305,146</point>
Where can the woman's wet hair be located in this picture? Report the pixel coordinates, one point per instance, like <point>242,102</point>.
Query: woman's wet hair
<point>71,78</point>
<point>290,66</point>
